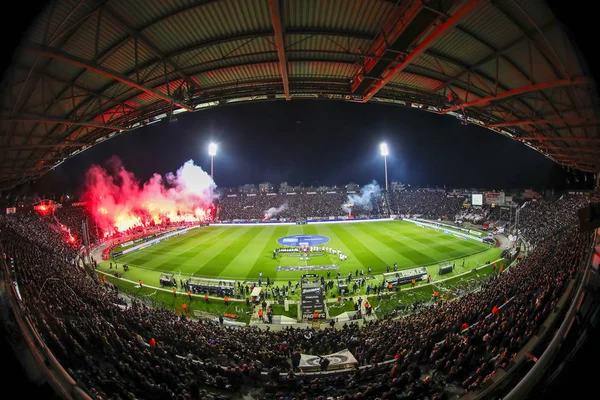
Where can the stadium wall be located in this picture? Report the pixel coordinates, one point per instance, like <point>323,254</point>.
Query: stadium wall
<point>309,221</point>
<point>158,240</point>
<point>442,227</point>
<point>471,231</point>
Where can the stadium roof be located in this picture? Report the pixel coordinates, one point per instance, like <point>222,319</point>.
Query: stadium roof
<point>91,69</point>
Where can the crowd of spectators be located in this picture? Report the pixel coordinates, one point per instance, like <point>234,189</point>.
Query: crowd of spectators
<point>425,203</point>
<point>540,219</point>
<point>256,206</point>
<point>73,217</point>
<point>127,352</point>
<point>40,233</point>
<point>475,214</point>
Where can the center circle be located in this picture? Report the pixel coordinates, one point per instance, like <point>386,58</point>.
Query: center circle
<point>303,240</point>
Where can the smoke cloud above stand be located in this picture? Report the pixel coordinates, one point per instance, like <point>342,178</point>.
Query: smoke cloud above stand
<point>273,211</point>
<point>118,201</point>
<point>363,199</point>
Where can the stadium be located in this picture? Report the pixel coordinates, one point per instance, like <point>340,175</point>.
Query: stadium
<point>121,280</point>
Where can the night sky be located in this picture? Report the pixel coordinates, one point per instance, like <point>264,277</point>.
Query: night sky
<point>320,142</point>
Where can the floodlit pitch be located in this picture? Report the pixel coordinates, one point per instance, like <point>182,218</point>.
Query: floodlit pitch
<point>243,252</point>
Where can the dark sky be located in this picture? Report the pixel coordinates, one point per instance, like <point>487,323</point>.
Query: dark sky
<point>319,142</point>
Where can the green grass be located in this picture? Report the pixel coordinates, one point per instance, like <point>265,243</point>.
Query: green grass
<point>242,252</point>
<point>335,309</point>
<point>279,309</point>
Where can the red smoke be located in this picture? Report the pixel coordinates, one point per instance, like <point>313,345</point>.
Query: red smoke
<point>118,202</point>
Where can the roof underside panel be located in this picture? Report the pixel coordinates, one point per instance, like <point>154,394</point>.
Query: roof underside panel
<point>489,25</point>
<point>239,74</point>
<point>334,43</point>
<point>318,69</point>
<point>122,59</point>
<point>416,81</point>
<point>62,19</point>
<point>228,53</point>
<point>434,63</point>
<point>563,50</point>
<point>505,64</point>
<point>64,71</point>
<point>202,23</point>
<point>526,12</point>
<point>336,15</point>
<point>461,46</point>
<point>232,65</point>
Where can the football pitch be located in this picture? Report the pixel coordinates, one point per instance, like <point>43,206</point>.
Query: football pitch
<point>243,252</point>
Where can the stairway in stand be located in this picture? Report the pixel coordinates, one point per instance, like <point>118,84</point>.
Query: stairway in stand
<point>386,203</point>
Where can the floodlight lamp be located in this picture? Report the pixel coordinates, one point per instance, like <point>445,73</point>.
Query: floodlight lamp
<point>212,149</point>
<point>384,149</point>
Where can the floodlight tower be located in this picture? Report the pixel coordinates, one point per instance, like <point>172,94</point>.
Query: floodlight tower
<point>385,152</point>
<point>212,152</point>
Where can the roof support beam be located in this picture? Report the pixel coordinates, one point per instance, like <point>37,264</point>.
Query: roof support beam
<point>71,84</point>
<point>575,157</point>
<point>558,139</point>
<point>45,146</point>
<point>394,25</point>
<point>515,92</point>
<point>274,6</point>
<point>440,31</point>
<point>51,120</point>
<point>78,62</point>
<point>481,77</point>
<point>190,80</point>
<point>204,45</point>
<point>547,121</point>
<point>578,149</point>
<point>491,57</point>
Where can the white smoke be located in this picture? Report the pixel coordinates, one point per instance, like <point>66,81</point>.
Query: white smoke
<point>363,199</point>
<point>273,211</point>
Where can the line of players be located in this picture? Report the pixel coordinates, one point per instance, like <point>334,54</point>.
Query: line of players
<point>318,249</point>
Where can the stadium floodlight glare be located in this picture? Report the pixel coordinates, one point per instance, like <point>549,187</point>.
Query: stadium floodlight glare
<point>383,147</point>
<point>212,152</point>
<point>212,149</point>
